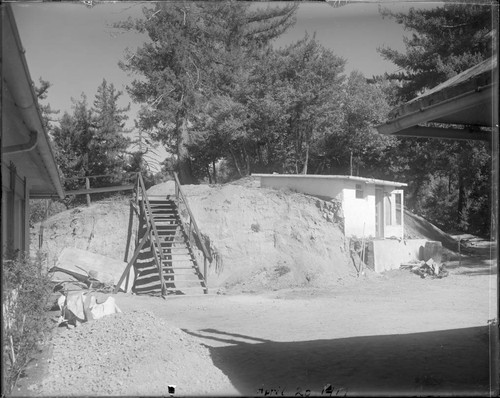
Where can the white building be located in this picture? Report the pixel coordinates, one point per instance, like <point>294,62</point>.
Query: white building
<point>371,207</point>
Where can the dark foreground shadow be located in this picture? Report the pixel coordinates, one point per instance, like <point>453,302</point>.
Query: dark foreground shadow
<point>441,363</point>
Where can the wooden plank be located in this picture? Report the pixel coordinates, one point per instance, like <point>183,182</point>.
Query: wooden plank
<point>78,261</point>
<point>131,262</point>
<point>100,190</point>
<point>129,236</point>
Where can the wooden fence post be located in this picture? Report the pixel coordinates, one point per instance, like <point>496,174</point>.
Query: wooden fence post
<point>87,185</point>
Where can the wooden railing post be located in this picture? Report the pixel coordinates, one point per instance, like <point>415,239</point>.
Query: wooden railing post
<point>205,276</point>
<point>146,207</point>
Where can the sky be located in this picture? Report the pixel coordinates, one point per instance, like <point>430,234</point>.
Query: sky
<point>74,47</point>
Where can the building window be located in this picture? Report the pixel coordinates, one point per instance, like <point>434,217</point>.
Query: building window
<point>359,191</point>
<point>399,208</point>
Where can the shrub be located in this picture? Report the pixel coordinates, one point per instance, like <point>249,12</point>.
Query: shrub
<point>26,297</point>
<point>255,227</point>
<point>41,209</point>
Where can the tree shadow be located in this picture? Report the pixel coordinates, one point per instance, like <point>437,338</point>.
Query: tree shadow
<point>447,362</point>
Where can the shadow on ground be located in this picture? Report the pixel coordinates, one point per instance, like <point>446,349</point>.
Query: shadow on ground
<point>473,265</point>
<point>443,362</point>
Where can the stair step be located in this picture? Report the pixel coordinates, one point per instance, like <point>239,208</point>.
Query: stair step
<point>185,292</point>
<point>176,268</point>
<point>177,259</point>
<point>183,277</point>
<point>179,284</point>
<point>189,273</point>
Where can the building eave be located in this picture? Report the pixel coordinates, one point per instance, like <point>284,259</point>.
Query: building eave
<point>43,170</point>
<point>463,104</point>
<point>336,177</point>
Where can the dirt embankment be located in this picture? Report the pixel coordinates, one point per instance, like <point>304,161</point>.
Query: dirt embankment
<point>100,228</point>
<point>262,239</point>
<point>267,239</point>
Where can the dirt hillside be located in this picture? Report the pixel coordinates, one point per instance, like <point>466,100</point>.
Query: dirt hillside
<point>262,239</point>
<point>100,228</point>
<point>417,227</point>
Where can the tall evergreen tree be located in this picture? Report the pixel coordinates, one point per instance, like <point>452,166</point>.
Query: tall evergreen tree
<point>444,42</point>
<point>72,139</point>
<point>48,113</point>
<point>109,145</point>
<point>90,141</point>
<point>195,52</point>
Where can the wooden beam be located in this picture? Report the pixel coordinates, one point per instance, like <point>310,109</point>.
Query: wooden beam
<point>444,133</point>
<point>131,262</point>
<point>100,190</point>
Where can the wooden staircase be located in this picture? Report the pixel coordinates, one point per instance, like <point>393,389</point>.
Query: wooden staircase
<point>163,259</point>
<point>181,271</point>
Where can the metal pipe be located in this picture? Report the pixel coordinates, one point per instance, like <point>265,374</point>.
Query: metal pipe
<point>28,146</point>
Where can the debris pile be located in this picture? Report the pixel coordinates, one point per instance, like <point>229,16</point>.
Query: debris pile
<point>80,306</point>
<point>431,268</point>
<point>130,354</point>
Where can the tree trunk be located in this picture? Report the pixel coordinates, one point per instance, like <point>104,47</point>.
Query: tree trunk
<point>304,170</point>
<point>321,165</point>
<point>183,160</point>
<point>247,160</point>
<point>214,171</point>
<point>461,197</point>
<point>207,170</point>
<point>235,161</point>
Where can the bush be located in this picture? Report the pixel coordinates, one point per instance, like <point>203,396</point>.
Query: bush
<point>26,298</point>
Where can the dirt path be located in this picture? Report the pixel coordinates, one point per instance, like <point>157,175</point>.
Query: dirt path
<point>394,334</point>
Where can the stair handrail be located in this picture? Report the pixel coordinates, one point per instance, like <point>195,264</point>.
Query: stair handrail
<point>179,193</point>
<point>147,206</point>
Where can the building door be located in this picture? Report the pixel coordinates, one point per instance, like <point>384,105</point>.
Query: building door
<point>379,212</point>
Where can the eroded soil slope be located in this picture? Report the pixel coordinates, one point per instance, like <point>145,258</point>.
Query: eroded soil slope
<point>267,239</point>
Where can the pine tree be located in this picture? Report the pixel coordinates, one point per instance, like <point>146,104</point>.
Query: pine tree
<point>108,146</point>
<point>41,92</point>
<point>445,41</point>
<point>194,54</point>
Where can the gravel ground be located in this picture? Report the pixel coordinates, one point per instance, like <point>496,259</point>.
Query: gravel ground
<point>131,354</point>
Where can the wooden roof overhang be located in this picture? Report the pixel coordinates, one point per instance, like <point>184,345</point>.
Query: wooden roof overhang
<point>25,142</point>
<point>463,107</point>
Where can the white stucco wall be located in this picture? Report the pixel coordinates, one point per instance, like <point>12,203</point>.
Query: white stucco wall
<point>388,254</point>
<point>359,213</point>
